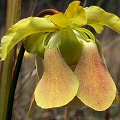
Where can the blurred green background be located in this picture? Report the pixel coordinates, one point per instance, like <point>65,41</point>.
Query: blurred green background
<point>27,80</point>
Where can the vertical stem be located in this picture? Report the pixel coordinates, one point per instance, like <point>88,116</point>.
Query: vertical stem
<point>67,114</point>
<point>13,15</point>
<point>107,116</point>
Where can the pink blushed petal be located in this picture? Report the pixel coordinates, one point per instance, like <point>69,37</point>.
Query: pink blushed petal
<point>97,89</point>
<point>58,85</point>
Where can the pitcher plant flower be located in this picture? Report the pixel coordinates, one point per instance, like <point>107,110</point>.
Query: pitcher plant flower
<point>61,41</point>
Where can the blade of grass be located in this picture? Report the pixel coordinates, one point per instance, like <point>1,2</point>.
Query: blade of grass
<point>13,15</point>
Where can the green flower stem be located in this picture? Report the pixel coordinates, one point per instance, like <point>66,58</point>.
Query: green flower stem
<point>14,82</point>
<point>13,15</point>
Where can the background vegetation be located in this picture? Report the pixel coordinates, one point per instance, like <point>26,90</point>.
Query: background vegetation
<point>27,79</point>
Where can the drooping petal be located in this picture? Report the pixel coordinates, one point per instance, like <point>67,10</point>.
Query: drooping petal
<point>58,85</point>
<point>97,89</point>
<point>22,29</point>
<point>97,18</point>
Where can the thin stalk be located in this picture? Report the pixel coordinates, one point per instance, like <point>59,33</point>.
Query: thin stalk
<point>14,82</point>
<point>12,16</point>
<point>67,114</point>
<point>34,6</point>
<point>85,2</point>
<point>107,116</point>
<point>99,2</point>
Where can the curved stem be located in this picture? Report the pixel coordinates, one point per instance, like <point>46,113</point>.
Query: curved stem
<point>14,82</point>
<point>47,12</point>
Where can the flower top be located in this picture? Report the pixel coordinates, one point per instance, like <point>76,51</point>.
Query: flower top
<point>75,16</point>
<point>61,41</point>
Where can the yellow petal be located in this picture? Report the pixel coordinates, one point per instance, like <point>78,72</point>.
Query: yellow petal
<point>97,89</point>
<point>58,85</point>
<point>22,29</point>
<point>76,13</point>
<point>60,20</point>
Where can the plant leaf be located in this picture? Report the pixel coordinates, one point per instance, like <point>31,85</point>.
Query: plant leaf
<point>22,29</point>
<point>97,18</point>
<point>97,89</point>
<point>76,13</point>
<point>58,85</point>
<point>70,47</point>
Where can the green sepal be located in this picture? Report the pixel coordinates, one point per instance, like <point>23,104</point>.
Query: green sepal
<point>98,18</point>
<point>39,65</point>
<point>80,35</point>
<point>30,42</point>
<point>76,13</point>
<point>40,45</point>
<point>99,47</point>
<point>22,29</point>
<point>87,32</point>
<point>70,47</point>
<point>54,40</point>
